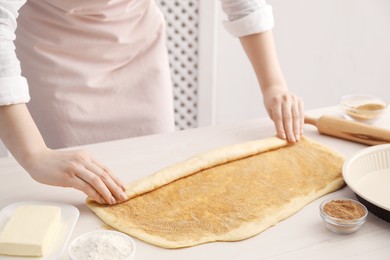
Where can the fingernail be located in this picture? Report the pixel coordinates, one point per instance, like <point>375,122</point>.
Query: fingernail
<point>283,136</point>
<point>123,196</point>
<point>297,137</point>
<point>112,200</point>
<point>123,188</point>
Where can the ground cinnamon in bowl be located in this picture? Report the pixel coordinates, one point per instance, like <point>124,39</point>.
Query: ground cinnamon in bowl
<point>370,107</point>
<point>344,209</point>
<point>343,216</point>
<point>366,111</point>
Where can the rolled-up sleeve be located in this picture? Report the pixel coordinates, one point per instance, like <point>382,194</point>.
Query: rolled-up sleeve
<point>247,17</point>
<point>13,87</point>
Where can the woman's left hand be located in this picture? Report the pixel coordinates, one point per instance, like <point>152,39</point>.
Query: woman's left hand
<point>286,110</point>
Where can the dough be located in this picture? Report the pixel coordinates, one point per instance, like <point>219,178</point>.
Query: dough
<point>228,194</point>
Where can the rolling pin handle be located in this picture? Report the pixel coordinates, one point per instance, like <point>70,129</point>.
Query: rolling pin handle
<point>311,121</point>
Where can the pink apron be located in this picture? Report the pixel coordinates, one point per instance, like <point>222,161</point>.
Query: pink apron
<point>97,69</point>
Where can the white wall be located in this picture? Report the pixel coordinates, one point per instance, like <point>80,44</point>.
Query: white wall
<point>326,48</point>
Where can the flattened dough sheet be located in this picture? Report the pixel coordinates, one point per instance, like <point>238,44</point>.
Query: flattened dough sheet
<point>228,194</point>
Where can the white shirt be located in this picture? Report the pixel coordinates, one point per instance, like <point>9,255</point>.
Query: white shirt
<point>245,17</point>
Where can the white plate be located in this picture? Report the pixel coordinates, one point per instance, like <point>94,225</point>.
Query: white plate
<point>69,216</point>
<point>367,173</point>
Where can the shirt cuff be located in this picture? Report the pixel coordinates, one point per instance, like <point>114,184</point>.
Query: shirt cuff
<point>259,21</point>
<point>13,90</point>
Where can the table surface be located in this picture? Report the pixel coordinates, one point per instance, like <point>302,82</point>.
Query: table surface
<point>302,236</point>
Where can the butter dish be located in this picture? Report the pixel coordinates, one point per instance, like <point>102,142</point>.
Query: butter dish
<point>69,217</point>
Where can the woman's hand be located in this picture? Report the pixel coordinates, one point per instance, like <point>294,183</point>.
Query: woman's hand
<point>75,169</point>
<point>286,110</point>
<point>79,170</point>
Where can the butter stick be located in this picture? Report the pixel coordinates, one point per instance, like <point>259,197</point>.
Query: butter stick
<point>30,231</point>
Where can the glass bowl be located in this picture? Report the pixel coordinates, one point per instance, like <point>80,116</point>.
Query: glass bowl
<point>362,108</point>
<point>343,216</point>
<point>102,244</point>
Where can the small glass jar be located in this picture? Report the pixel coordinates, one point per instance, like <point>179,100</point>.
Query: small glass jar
<point>348,218</point>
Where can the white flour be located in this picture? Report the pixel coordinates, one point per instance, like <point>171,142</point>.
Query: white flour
<point>101,246</point>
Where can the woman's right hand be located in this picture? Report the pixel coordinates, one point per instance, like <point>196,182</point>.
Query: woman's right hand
<point>79,170</point>
<point>75,169</point>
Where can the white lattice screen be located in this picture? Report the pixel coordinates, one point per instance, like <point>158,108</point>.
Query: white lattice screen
<point>182,32</point>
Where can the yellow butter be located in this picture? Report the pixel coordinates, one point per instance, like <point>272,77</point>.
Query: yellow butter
<point>30,231</point>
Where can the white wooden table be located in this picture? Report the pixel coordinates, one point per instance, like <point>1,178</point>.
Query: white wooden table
<point>302,236</point>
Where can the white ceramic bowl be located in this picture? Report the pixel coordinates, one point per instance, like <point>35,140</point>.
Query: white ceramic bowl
<point>367,173</point>
<point>362,108</point>
<point>102,244</point>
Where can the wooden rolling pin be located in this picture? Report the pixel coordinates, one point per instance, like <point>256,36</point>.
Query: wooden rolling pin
<point>353,131</point>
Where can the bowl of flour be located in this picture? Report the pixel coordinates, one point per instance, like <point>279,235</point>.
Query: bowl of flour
<point>102,245</point>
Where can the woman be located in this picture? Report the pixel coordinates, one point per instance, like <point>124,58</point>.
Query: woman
<point>97,70</point>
